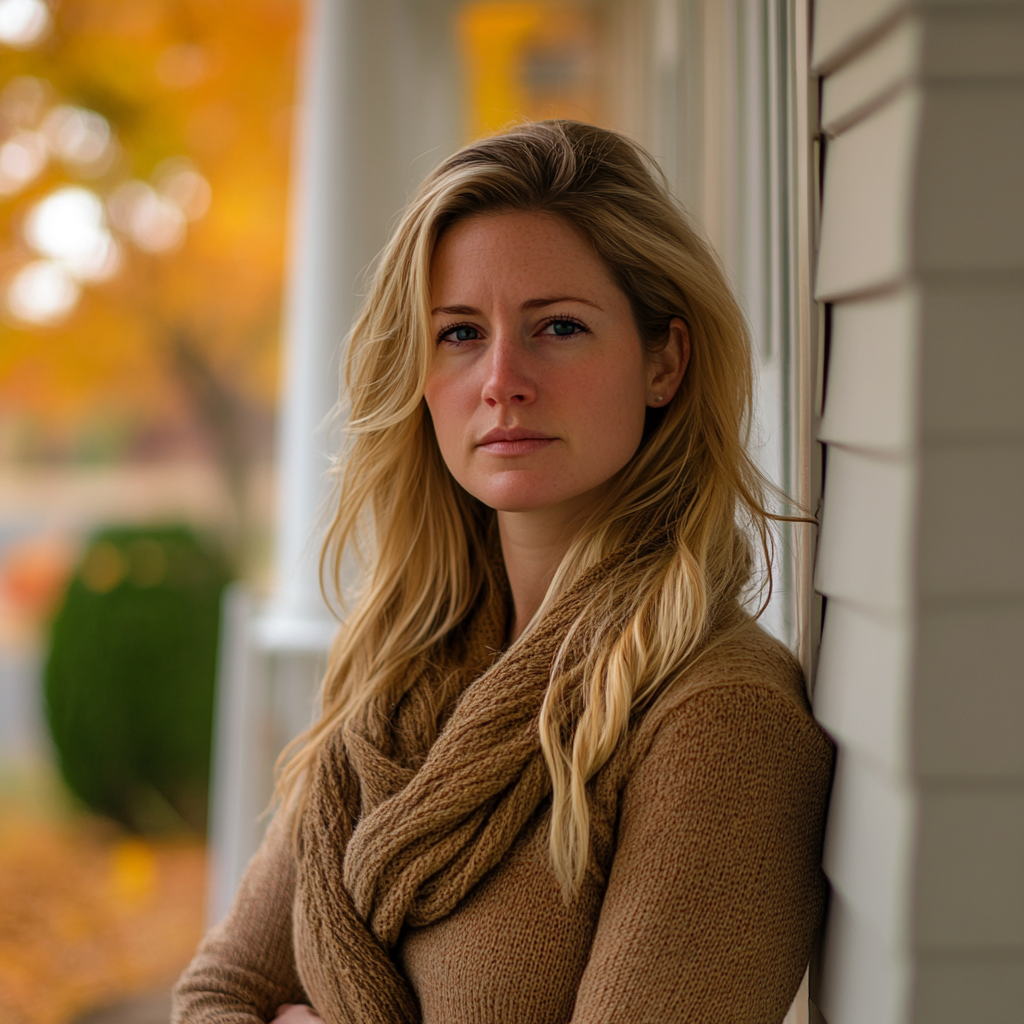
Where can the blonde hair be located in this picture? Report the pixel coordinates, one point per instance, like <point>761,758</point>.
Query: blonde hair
<point>687,503</point>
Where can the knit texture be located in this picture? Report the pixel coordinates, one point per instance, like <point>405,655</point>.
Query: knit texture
<point>421,889</point>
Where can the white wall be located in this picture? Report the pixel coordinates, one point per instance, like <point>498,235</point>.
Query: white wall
<point>921,556</point>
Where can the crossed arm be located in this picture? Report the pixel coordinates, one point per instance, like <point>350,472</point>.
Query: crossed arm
<point>712,901</point>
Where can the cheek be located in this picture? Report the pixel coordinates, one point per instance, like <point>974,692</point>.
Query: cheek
<point>611,409</point>
<point>450,407</point>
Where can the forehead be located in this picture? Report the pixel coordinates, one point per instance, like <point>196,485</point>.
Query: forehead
<point>515,252</point>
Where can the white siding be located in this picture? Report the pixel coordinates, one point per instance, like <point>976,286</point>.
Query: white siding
<point>860,695</point>
<point>874,353</point>
<point>866,209</point>
<point>861,85</point>
<point>864,554</point>
<point>866,975</point>
<point>842,25</point>
<point>921,558</point>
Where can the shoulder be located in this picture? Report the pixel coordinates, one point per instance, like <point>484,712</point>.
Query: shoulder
<point>743,698</point>
<point>740,653</point>
<point>739,658</point>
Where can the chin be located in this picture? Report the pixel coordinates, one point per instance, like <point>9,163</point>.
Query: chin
<point>519,495</point>
<point>520,506</point>
<point>511,496</point>
<point>518,503</point>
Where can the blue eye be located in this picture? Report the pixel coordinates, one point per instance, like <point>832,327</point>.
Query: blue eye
<point>564,328</point>
<point>459,333</point>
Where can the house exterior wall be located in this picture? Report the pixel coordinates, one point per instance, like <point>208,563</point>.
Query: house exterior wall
<point>921,558</point>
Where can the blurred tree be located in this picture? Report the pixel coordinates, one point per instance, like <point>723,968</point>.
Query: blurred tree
<point>165,331</point>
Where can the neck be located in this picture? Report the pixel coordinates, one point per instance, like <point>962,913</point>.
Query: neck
<point>533,545</point>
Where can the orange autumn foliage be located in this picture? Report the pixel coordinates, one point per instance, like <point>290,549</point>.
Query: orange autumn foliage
<point>90,916</point>
<point>212,82</point>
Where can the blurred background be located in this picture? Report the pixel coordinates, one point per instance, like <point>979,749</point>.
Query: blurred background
<point>190,193</point>
<point>144,154</point>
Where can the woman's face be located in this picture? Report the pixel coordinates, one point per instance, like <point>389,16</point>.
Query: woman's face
<point>540,384</point>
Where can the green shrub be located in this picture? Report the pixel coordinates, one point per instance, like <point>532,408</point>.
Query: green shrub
<point>130,676</point>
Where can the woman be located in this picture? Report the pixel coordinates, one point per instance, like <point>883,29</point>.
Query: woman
<point>560,773</point>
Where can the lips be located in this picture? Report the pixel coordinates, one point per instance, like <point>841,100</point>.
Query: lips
<point>514,441</point>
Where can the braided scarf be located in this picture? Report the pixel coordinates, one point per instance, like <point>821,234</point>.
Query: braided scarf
<point>399,826</point>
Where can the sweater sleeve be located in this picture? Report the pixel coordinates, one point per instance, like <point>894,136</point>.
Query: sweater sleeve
<point>716,890</point>
<point>245,966</point>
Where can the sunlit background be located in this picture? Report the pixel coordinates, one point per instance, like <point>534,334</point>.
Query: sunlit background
<point>144,162</point>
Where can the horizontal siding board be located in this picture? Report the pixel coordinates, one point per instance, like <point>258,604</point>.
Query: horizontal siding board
<point>969,882</point>
<point>971,521</point>
<point>872,385</point>
<point>863,980</point>
<point>868,845</point>
<point>862,687</point>
<point>968,694</point>
<point>965,39</point>
<point>866,210</point>
<point>864,553</point>
<point>972,370</point>
<point>968,214</point>
<point>840,25</point>
<point>893,60</point>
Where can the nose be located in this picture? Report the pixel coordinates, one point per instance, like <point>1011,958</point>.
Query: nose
<point>508,380</point>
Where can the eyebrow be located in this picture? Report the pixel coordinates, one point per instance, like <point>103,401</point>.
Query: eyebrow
<point>538,303</point>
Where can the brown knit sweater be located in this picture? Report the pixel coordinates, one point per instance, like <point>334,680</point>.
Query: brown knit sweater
<point>700,903</point>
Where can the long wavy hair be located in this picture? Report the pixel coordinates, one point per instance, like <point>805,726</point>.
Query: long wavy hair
<point>690,503</point>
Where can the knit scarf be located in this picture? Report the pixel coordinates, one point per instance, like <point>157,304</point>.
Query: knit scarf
<point>399,826</point>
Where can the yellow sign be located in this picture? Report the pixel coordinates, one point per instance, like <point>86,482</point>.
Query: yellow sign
<point>527,60</point>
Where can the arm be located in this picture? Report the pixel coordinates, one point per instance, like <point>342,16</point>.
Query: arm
<point>716,890</point>
<point>244,968</point>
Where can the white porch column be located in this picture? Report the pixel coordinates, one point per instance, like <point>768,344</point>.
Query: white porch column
<point>328,250</point>
<point>379,105</point>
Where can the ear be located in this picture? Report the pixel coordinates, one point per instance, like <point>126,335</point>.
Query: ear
<point>667,367</point>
